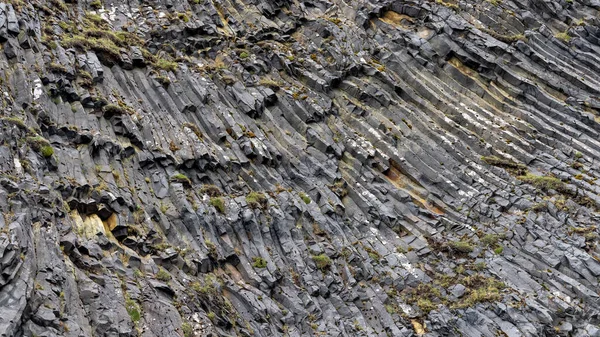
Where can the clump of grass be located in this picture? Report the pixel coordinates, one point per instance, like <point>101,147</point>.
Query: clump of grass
<point>426,296</point>
<point>322,261</point>
<point>56,68</point>
<point>187,329</point>
<point>479,289</point>
<point>256,200</point>
<point>461,246</point>
<point>163,275</point>
<point>181,178</point>
<point>507,164</point>
<point>133,309</point>
<point>15,121</point>
<point>304,197</point>
<point>259,262</point>
<point>102,46</point>
<point>212,248</point>
<point>490,239</point>
<point>96,4</point>
<point>165,64</point>
<point>218,203</point>
<point>267,82</point>
<point>211,190</point>
<point>449,5</point>
<point>545,183</point>
<point>113,109</point>
<point>563,36</point>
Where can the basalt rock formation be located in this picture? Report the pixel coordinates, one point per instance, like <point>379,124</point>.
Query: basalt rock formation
<point>299,168</point>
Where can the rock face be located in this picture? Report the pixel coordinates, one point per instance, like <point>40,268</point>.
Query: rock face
<point>299,168</point>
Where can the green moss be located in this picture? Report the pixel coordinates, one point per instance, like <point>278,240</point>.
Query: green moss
<point>218,203</point>
<point>498,250</point>
<point>183,17</point>
<point>304,197</point>
<point>322,261</point>
<point>41,145</point>
<point>47,151</point>
<point>244,55</point>
<point>259,262</point>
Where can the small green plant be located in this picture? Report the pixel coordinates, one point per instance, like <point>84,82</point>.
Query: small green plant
<point>187,329</point>
<point>490,239</point>
<point>218,203</point>
<point>212,248</point>
<point>163,275</point>
<point>47,151</point>
<point>498,250</point>
<point>563,36</point>
<point>322,261</point>
<point>259,262</point>
<point>211,315</point>
<point>244,55</point>
<point>256,200</point>
<point>304,197</point>
<point>133,309</point>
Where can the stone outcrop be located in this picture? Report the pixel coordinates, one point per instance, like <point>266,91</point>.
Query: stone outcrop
<point>299,168</point>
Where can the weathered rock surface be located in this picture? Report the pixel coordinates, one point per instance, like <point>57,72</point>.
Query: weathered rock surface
<point>299,168</point>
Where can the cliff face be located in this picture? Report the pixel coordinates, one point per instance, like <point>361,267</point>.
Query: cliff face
<point>299,168</point>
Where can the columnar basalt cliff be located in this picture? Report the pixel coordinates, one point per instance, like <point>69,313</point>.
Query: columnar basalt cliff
<point>299,168</point>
